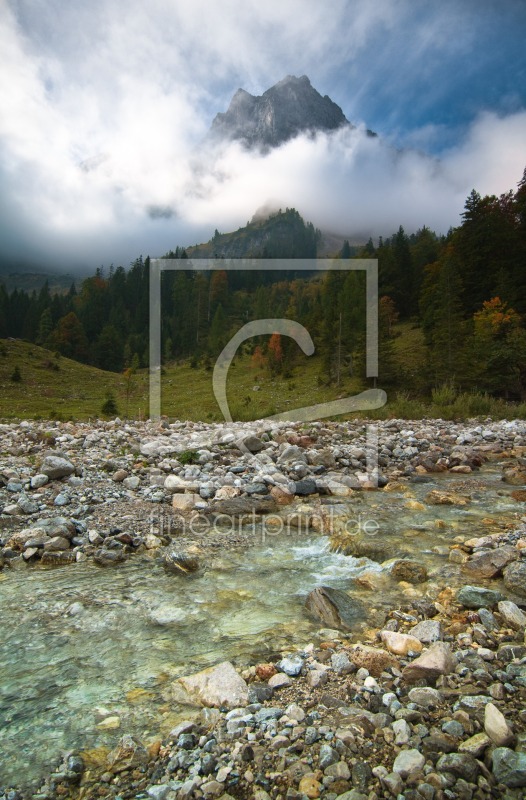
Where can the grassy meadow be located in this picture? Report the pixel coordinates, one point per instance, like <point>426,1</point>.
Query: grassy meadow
<point>51,386</point>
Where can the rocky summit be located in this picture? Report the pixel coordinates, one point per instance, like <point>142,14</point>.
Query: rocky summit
<point>285,110</point>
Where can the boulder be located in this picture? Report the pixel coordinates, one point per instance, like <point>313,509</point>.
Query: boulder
<point>358,546</point>
<point>305,487</point>
<point>408,761</point>
<point>281,495</point>
<point>515,476</point>
<point>478,596</point>
<point>175,484</point>
<point>291,665</point>
<point>240,506</point>
<point>440,498</point>
<point>437,660</point>
<point>185,503</point>
<point>425,696</point>
<point>216,686</point>
<point>410,571</point>
<point>57,543</point>
<point>427,631</point>
<point>334,608</point>
<point>515,577</point>
<point>496,726</point>
<point>461,765</point>
<point>475,745</point>
<point>57,558</point>
<point>490,563</point>
<point>374,660</point>
<point>56,467</point>
<point>251,443</point>
<point>512,615</point>
<point>180,563</point>
<point>130,753</point>
<point>509,767</point>
<point>107,558</point>
<point>279,681</point>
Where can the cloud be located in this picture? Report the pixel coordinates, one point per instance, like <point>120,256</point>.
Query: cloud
<point>106,109</point>
<point>350,183</point>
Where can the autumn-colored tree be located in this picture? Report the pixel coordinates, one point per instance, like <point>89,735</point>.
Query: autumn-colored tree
<point>69,337</point>
<point>388,315</point>
<point>499,349</point>
<point>258,359</point>
<point>495,319</point>
<point>275,353</point>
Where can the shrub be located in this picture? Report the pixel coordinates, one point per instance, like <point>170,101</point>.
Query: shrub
<point>444,395</point>
<point>16,376</point>
<point>109,407</point>
<point>188,457</point>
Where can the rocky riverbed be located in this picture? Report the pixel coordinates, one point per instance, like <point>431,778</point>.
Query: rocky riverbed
<point>108,490</point>
<point>421,699</point>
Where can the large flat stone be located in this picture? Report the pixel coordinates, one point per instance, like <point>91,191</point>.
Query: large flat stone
<point>55,467</point>
<point>478,597</point>
<point>490,563</point>
<point>216,686</point>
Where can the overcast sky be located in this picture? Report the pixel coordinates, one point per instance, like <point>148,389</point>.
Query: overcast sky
<point>105,106</point>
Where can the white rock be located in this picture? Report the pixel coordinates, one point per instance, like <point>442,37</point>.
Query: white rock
<point>39,480</point>
<point>174,483</point>
<point>496,726</point>
<point>216,686</point>
<point>408,761</point>
<point>402,731</point>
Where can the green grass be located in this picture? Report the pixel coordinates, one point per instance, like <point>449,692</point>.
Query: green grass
<point>57,387</point>
<point>60,388</point>
<point>187,393</point>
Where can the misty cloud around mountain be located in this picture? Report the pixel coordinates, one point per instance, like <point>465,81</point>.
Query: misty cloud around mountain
<point>104,148</point>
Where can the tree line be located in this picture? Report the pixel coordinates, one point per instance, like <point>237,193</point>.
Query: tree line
<point>465,290</point>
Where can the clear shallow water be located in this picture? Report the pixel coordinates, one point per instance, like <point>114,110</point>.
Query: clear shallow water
<point>79,644</point>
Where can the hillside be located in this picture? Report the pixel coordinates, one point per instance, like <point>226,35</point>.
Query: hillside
<point>55,387</point>
<point>59,387</point>
<point>30,281</point>
<point>282,234</point>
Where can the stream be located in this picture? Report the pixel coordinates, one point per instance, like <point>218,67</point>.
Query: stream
<point>87,653</point>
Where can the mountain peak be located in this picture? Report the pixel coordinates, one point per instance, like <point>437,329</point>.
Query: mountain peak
<point>290,107</point>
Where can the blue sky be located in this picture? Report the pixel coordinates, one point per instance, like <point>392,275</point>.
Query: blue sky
<point>106,105</point>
